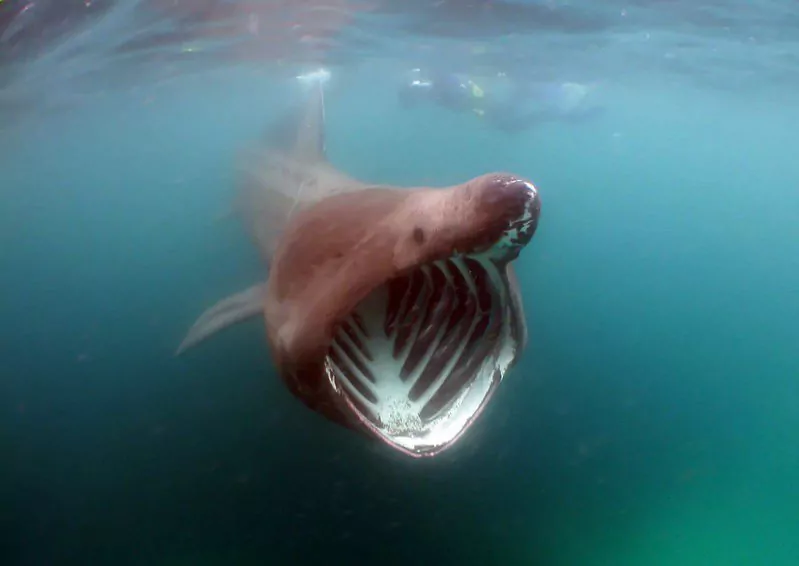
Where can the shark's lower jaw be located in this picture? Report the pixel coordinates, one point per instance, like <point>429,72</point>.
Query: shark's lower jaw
<point>418,359</point>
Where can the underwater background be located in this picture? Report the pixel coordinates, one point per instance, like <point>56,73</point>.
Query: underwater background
<point>652,421</point>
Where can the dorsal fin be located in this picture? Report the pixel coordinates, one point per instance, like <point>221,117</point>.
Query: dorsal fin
<point>300,134</point>
<point>310,142</point>
<point>287,171</point>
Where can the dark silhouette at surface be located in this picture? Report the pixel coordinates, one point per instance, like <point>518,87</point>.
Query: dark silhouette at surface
<point>502,102</point>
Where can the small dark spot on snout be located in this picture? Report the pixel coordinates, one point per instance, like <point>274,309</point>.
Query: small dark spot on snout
<point>418,235</point>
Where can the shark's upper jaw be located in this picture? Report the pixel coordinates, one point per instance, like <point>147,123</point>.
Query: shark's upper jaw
<point>519,231</point>
<point>417,360</point>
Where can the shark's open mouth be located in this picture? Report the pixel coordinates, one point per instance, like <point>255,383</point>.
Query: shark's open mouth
<point>420,356</point>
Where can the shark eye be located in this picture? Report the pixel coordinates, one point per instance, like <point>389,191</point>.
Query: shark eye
<point>418,235</point>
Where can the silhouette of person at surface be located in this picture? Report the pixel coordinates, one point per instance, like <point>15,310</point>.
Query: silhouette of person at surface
<point>502,102</point>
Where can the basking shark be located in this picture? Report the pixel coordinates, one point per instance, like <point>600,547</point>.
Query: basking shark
<point>393,311</point>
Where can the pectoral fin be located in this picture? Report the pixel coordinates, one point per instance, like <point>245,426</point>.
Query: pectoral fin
<point>227,312</point>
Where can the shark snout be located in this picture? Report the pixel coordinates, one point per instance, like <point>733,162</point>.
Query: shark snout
<point>527,219</point>
<point>513,204</point>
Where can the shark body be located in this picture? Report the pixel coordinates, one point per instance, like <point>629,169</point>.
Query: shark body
<point>392,311</point>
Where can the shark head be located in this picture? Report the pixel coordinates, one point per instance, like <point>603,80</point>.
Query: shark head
<point>396,311</point>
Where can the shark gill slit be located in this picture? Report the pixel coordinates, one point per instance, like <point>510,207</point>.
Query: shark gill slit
<point>421,339</point>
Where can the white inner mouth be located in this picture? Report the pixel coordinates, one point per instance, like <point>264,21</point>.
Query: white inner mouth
<point>419,357</point>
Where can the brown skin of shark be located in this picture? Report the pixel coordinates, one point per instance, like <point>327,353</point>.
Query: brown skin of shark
<point>336,252</point>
